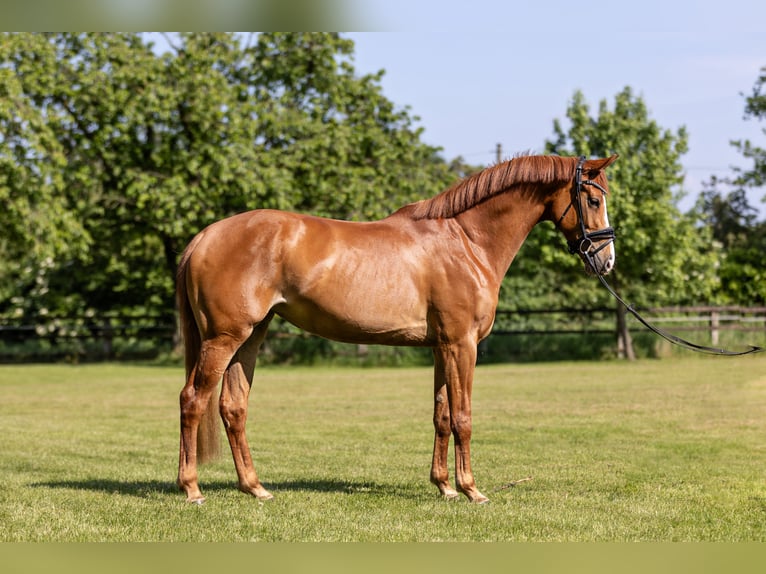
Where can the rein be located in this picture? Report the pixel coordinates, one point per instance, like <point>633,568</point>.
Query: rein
<point>583,245</point>
<point>673,338</point>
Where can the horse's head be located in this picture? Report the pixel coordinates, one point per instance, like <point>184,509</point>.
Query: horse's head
<point>586,227</point>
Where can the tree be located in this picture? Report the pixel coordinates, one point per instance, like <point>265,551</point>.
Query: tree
<point>734,225</point>
<point>38,228</point>
<point>663,256</point>
<point>755,108</point>
<point>113,156</point>
<point>734,222</point>
<point>358,153</point>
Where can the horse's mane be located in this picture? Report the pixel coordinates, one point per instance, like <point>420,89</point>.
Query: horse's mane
<point>519,171</point>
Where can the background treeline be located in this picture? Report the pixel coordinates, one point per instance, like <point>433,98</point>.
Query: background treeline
<point>113,154</point>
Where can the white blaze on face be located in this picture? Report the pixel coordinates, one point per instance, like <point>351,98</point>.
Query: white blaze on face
<point>610,262</point>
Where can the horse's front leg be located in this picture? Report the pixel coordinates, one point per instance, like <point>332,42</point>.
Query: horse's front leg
<point>442,433</point>
<point>457,362</point>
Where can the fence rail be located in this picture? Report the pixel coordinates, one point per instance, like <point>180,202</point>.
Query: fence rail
<point>51,338</point>
<point>713,319</point>
<point>102,335</point>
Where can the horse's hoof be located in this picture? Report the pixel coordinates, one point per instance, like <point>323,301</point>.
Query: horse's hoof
<point>449,493</point>
<point>257,491</point>
<point>199,500</point>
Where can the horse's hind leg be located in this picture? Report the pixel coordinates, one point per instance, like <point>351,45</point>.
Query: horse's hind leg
<point>215,354</point>
<point>237,382</point>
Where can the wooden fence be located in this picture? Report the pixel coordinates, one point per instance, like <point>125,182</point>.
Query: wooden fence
<point>116,337</point>
<point>109,337</point>
<point>713,319</point>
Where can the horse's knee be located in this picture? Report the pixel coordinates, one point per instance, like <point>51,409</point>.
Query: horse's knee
<point>441,417</point>
<point>442,424</point>
<point>461,427</point>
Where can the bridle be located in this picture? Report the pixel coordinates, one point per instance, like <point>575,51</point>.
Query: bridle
<point>584,246</point>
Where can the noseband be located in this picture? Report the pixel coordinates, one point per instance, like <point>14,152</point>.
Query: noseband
<point>584,243</point>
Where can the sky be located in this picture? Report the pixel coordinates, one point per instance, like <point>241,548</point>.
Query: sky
<point>483,73</point>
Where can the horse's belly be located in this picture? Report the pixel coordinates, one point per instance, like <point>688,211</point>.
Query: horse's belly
<point>352,321</point>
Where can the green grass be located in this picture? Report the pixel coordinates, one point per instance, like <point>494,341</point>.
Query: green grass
<point>651,451</point>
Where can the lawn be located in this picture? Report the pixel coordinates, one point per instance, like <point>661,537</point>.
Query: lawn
<point>656,450</point>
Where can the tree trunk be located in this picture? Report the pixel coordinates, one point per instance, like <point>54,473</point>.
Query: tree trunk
<point>624,340</point>
<point>171,264</point>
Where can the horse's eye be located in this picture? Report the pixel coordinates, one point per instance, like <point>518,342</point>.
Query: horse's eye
<point>594,202</point>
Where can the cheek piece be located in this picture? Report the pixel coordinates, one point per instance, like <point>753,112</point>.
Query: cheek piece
<point>585,243</point>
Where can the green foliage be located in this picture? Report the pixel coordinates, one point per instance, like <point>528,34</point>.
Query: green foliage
<point>663,256</point>
<point>735,227</point>
<point>755,108</point>
<point>734,222</point>
<point>112,157</point>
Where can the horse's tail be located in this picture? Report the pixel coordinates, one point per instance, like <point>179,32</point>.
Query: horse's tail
<point>209,432</point>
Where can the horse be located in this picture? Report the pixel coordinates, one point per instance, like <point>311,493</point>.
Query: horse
<point>427,275</point>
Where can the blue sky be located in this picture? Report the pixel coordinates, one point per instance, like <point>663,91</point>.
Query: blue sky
<point>485,72</point>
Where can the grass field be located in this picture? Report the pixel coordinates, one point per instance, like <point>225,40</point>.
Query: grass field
<point>648,451</point>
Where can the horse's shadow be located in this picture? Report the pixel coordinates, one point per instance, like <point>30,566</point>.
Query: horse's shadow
<point>152,488</point>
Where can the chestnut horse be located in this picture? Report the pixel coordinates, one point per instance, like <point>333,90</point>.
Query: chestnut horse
<point>428,275</point>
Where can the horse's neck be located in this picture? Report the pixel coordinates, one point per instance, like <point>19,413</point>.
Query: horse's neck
<point>499,226</point>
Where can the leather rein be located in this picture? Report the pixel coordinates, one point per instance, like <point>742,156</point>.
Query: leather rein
<point>584,245</point>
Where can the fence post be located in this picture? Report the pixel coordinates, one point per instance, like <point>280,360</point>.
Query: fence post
<point>715,323</point>
<point>106,337</point>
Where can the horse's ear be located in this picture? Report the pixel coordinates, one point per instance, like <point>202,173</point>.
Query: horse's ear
<point>595,165</point>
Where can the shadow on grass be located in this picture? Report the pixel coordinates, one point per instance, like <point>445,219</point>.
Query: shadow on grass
<point>148,489</point>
